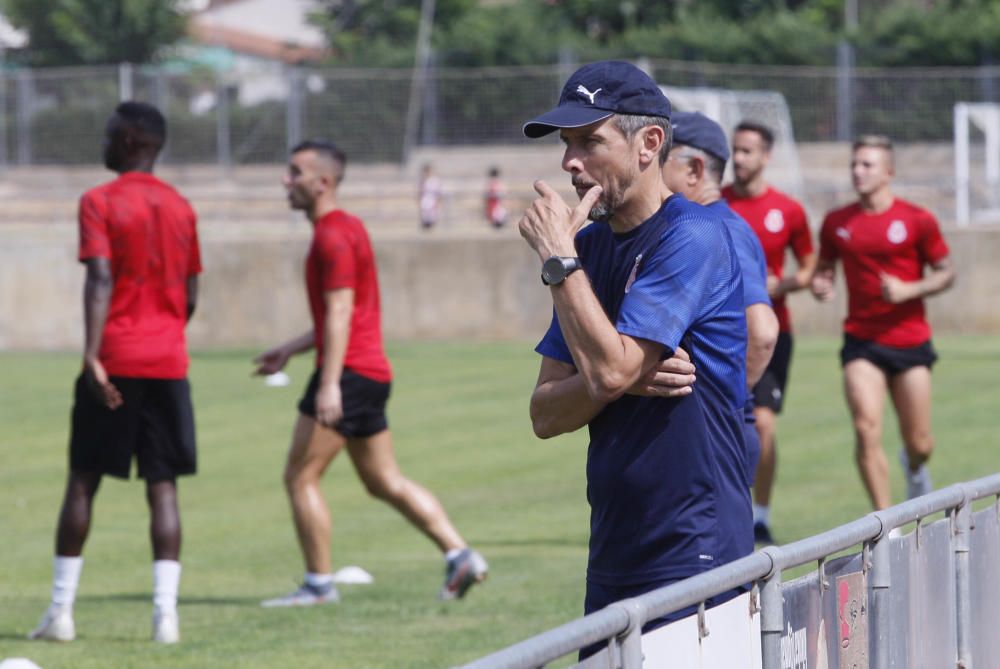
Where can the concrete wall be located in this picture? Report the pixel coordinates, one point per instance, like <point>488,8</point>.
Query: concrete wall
<point>469,285</point>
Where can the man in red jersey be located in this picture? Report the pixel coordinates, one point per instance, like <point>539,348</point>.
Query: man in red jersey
<point>140,246</point>
<point>780,224</point>
<point>884,243</point>
<point>344,403</point>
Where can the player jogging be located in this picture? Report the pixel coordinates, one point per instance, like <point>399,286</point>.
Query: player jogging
<point>884,244</point>
<point>780,224</point>
<point>344,402</point>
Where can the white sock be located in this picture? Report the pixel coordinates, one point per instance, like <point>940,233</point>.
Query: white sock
<point>166,582</point>
<point>761,514</point>
<point>452,554</point>
<point>65,579</point>
<point>318,580</point>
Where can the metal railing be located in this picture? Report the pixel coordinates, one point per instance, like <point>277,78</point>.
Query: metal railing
<point>618,625</point>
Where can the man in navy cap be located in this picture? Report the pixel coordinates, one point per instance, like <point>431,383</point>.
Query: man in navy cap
<point>665,468</point>
<point>694,168</point>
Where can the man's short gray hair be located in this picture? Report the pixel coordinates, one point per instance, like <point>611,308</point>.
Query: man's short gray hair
<point>630,124</point>
<point>715,167</point>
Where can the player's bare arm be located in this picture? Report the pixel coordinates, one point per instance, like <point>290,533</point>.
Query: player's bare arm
<point>793,282</point>
<point>940,279</point>
<point>336,332</point>
<point>96,300</point>
<point>192,295</point>
<point>762,335</point>
<point>821,283</point>
<point>560,402</point>
<point>274,359</point>
<point>609,362</point>
<point>673,377</point>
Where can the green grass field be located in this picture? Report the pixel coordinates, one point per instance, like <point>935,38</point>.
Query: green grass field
<point>459,417</point>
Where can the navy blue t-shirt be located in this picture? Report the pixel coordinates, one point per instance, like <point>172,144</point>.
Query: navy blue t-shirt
<point>753,264</point>
<point>666,477</point>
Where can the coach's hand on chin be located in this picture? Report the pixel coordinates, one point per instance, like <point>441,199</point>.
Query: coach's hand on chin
<point>100,385</point>
<point>550,225</point>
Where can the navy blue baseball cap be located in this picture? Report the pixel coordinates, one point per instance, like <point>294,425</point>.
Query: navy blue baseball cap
<point>598,91</point>
<point>696,130</point>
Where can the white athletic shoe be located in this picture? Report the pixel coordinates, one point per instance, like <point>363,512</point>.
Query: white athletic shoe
<point>462,572</point>
<point>56,625</point>
<point>166,627</point>
<point>918,483</point>
<point>306,595</point>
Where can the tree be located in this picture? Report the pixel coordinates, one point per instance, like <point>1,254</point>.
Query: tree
<point>94,32</point>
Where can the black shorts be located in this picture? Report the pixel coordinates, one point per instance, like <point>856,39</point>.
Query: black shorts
<point>770,389</point>
<point>364,402</point>
<point>889,359</point>
<point>155,423</point>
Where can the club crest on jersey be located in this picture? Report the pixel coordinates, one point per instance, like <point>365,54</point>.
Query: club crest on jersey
<point>896,232</point>
<point>632,274</point>
<point>844,234</point>
<point>774,221</point>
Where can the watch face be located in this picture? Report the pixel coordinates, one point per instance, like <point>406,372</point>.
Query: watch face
<point>553,270</point>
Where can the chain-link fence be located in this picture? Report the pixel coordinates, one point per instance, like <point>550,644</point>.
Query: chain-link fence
<point>56,116</point>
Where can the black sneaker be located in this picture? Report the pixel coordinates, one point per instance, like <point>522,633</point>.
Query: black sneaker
<point>762,534</point>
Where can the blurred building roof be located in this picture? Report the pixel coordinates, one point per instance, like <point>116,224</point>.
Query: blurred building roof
<point>272,29</point>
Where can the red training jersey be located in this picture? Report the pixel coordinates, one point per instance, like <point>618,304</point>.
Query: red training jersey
<point>148,232</point>
<point>341,257</point>
<point>780,223</point>
<point>899,242</point>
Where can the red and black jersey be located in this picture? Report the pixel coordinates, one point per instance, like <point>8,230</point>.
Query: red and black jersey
<point>900,242</point>
<point>780,223</point>
<point>341,256</point>
<point>148,232</point>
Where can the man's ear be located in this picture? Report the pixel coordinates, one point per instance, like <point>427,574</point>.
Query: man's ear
<point>652,138</point>
<point>696,169</point>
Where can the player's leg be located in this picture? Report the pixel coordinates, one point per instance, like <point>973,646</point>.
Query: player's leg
<point>766,425</point>
<point>165,450</point>
<point>165,535</point>
<point>768,398</point>
<point>865,388</point>
<point>312,450</point>
<point>375,461</point>
<point>71,535</point>
<point>96,446</point>
<point>911,394</point>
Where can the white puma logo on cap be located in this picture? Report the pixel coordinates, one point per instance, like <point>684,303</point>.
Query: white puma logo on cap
<point>583,89</point>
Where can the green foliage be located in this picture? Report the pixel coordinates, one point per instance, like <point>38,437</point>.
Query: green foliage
<point>94,32</point>
<point>957,33</point>
<point>781,38</point>
<point>381,32</point>
<point>785,32</point>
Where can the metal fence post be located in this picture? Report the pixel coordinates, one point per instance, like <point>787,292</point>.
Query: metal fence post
<point>25,106</point>
<point>126,87</point>
<point>223,147</point>
<point>963,594</point>
<point>293,113</point>
<point>630,643</point>
<point>161,98</point>
<point>880,580</point>
<point>3,116</point>
<point>772,612</point>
